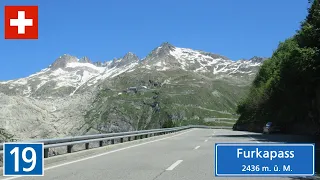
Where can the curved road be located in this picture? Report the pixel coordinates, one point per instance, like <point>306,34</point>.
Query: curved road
<point>187,155</point>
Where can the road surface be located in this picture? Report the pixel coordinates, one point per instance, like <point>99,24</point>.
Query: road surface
<point>187,155</point>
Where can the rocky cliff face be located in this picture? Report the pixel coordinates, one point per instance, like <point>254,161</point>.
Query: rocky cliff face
<point>76,96</point>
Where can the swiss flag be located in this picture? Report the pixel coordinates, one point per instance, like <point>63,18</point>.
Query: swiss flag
<point>21,22</point>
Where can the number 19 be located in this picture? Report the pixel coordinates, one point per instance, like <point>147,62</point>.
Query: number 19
<point>32,160</point>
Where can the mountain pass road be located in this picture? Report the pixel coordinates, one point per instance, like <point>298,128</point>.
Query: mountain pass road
<point>187,155</point>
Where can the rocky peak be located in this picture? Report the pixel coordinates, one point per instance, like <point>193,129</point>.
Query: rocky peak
<point>85,60</point>
<point>128,59</point>
<point>161,57</point>
<point>166,46</point>
<point>163,50</point>
<point>98,64</point>
<point>160,52</point>
<point>257,59</point>
<point>62,61</point>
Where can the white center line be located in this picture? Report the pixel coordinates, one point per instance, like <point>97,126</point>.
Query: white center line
<point>206,140</point>
<point>174,165</point>
<point>197,147</point>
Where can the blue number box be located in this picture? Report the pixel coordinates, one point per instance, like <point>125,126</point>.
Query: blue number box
<point>23,159</point>
<point>264,159</point>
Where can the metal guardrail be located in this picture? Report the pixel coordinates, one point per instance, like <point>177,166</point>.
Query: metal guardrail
<point>210,127</point>
<point>69,142</point>
<point>84,137</point>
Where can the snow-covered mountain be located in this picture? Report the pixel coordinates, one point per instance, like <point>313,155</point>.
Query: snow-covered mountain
<point>66,76</point>
<point>168,57</point>
<point>75,96</point>
<point>69,75</point>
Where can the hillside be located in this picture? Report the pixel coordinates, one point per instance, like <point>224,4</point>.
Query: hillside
<point>171,86</point>
<point>286,89</point>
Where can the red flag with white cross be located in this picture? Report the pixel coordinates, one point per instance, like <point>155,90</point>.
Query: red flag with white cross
<point>21,22</point>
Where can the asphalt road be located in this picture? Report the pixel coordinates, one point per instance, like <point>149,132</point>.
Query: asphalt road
<point>187,155</point>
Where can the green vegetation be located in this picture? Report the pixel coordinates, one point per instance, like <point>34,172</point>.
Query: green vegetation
<point>173,98</point>
<point>287,87</point>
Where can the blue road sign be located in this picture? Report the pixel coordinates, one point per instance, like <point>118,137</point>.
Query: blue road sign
<point>265,159</point>
<point>23,159</point>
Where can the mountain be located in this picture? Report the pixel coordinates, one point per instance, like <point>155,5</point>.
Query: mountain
<point>167,57</point>
<point>169,86</point>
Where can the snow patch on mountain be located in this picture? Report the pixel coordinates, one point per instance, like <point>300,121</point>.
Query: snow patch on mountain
<point>112,72</point>
<point>85,65</point>
<point>191,56</point>
<point>40,85</point>
<point>72,74</point>
<point>27,91</point>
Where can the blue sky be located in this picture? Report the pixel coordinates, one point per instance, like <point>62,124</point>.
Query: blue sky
<point>104,29</point>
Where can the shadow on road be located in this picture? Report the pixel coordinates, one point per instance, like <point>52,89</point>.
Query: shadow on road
<point>281,138</point>
<point>284,138</point>
<point>304,178</point>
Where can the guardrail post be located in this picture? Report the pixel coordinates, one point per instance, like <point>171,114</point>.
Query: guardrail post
<point>129,138</point>
<point>112,141</point>
<point>147,135</point>
<point>135,137</point>
<point>46,153</point>
<point>87,145</point>
<point>69,148</point>
<point>100,143</point>
<point>121,140</point>
<point>141,137</point>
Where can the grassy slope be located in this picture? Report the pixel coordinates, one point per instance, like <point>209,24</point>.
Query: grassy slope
<point>182,98</point>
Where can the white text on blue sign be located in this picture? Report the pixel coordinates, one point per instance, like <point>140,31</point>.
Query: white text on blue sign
<point>268,159</point>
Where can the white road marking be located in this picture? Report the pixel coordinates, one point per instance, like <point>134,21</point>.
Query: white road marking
<point>253,138</point>
<point>212,135</point>
<point>206,140</point>
<point>197,147</point>
<point>174,165</point>
<point>109,152</point>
